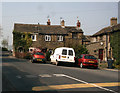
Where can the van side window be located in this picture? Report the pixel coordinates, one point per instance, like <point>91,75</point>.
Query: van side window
<point>70,52</point>
<point>64,52</point>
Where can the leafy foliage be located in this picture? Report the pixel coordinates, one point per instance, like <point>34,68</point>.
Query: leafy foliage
<point>4,43</point>
<point>79,49</point>
<point>115,43</point>
<point>48,53</point>
<point>22,40</point>
<point>4,49</point>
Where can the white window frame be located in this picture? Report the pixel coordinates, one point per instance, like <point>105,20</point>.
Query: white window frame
<point>60,38</point>
<point>47,38</point>
<point>35,39</point>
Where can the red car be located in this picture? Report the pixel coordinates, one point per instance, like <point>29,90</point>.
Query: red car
<point>86,60</point>
<point>38,57</point>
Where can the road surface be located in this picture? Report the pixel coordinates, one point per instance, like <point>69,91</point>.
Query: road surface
<point>22,75</point>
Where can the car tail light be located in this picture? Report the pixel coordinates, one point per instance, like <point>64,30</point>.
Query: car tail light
<point>74,58</point>
<point>59,56</point>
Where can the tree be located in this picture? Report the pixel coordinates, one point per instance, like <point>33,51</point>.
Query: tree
<point>4,43</point>
<point>115,43</point>
<point>79,48</point>
<point>0,31</point>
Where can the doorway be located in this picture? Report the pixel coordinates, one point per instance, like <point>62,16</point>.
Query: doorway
<point>101,54</point>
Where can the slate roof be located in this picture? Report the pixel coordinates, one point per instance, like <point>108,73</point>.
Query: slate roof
<point>45,29</point>
<point>108,30</point>
<point>86,38</point>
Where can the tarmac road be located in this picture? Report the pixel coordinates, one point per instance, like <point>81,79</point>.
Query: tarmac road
<point>22,75</point>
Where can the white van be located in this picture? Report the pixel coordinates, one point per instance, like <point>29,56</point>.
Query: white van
<point>63,54</point>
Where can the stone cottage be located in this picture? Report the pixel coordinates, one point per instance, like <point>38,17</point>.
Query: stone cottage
<point>51,36</point>
<point>99,45</point>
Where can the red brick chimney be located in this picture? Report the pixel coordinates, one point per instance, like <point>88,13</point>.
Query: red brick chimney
<point>113,21</point>
<point>63,23</point>
<point>78,24</point>
<point>48,22</point>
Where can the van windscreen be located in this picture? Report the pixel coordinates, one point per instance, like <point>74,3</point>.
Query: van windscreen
<point>64,52</point>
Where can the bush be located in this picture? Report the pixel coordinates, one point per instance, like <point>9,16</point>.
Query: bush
<point>28,56</point>
<point>48,53</point>
<point>4,49</point>
<point>114,40</point>
<point>80,49</point>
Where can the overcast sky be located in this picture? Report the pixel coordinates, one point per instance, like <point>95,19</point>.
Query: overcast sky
<point>93,15</point>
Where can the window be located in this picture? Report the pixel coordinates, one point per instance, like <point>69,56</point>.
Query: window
<point>47,38</point>
<point>64,52</point>
<point>100,37</point>
<point>74,35</point>
<point>23,36</point>
<point>33,37</point>
<point>60,38</point>
<point>70,53</point>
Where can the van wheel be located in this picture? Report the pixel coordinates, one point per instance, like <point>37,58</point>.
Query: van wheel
<point>81,65</point>
<point>56,63</point>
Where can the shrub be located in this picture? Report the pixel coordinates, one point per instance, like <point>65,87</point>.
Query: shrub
<point>28,56</point>
<point>48,53</point>
<point>4,49</point>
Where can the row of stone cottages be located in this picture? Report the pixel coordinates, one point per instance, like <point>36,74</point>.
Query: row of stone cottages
<point>52,36</point>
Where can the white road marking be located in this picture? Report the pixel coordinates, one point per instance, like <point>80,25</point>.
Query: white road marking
<point>45,75</point>
<point>59,75</point>
<point>88,83</point>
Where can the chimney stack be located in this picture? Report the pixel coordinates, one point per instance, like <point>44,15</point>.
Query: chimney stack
<point>48,22</point>
<point>113,21</point>
<point>63,23</point>
<point>78,24</point>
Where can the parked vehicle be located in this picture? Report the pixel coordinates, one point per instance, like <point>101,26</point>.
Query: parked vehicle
<point>38,57</point>
<point>86,60</point>
<point>63,54</point>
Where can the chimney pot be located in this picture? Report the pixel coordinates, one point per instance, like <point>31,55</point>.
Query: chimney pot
<point>78,23</point>
<point>48,22</point>
<point>62,23</point>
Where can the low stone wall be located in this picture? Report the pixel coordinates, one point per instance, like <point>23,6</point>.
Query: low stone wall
<point>20,55</point>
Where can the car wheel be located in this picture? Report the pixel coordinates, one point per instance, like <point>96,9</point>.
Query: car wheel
<point>96,67</point>
<point>81,65</point>
<point>44,62</point>
<point>33,61</point>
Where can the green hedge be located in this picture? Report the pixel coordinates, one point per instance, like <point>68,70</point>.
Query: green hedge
<point>115,43</point>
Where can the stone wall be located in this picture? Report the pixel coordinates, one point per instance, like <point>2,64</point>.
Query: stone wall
<point>93,48</point>
<point>54,43</point>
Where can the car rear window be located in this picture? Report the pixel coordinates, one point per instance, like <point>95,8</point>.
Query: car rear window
<point>89,57</point>
<point>39,53</point>
<point>64,52</point>
<point>70,53</point>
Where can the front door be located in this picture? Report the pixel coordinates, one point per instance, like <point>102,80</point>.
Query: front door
<point>101,54</point>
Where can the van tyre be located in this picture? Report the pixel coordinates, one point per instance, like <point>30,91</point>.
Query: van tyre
<point>56,63</point>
